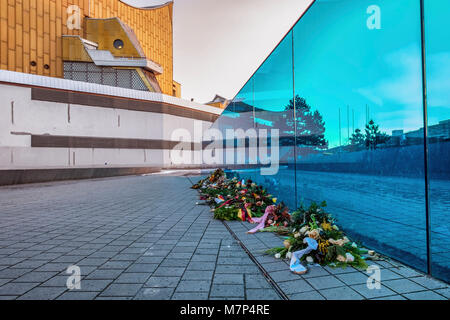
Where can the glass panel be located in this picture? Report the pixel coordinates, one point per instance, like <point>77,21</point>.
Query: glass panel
<point>262,105</point>
<point>437,14</point>
<point>273,83</point>
<point>360,114</point>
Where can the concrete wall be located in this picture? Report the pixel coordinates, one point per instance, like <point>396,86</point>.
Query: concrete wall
<point>22,117</point>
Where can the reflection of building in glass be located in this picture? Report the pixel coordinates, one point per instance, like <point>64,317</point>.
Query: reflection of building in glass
<point>218,102</point>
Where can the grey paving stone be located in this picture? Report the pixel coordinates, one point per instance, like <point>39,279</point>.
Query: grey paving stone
<point>444,292</point>
<point>256,281</point>
<point>424,295</point>
<point>36,276</point>
<point>315,271</point>
<point>78,295</point>
<point>190,296</point>
<point>407,272</point>
<point>12,273</point>
<point>94,285</point>
<point>403,285</point>
<point>90,261</point>
<point>341,293</point>
<point>3,281</point>
<point>373,293</point>
<point>193,286</point>
<point>226,278</point>
<point>129,277</point>
<point>175,263</point>
<point>247,269</point>
<point>116,265</point>
<point>56,281</point>
<point>262,294</point>
<point>43,293</point>
<point>387,274</point>
<point>311,295</point>
<point>169,271</point>
<point>54,267</point>
<point>121,290</point>
<point>227,290</point>
<point>197,275</point>
<point>162,282</point>
<point>142,268</point>
<point>275,266</point>
<point>325,282</point>
<point>352,278</point>
<point>8,298</point>
<point>104,274</point>
<point>396,297</point>
<point>204,257</point>
<point>430,283</point>
<point>284,275</point>
<point>295,286</point>
<point>154,294</point>
<point>148,259</point>
<point>203,266</point>
<point>16,288</point>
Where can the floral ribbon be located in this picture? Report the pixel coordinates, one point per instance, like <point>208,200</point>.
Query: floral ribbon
<point>295,265</point>
<point>261,221</point>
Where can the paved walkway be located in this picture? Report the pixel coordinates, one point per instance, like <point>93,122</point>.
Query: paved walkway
<point>145,238</point>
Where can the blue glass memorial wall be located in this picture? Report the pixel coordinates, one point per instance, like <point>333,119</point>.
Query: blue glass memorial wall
<point>360,93</point>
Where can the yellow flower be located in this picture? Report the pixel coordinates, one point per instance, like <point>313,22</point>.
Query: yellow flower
<point>326,226</point>
<point>274,200</point>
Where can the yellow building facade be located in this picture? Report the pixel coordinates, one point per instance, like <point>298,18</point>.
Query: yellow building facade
<point>35,35</point>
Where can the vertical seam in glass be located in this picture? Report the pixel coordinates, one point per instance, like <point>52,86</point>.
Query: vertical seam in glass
<point>295,121</point>
<point>425,135</point>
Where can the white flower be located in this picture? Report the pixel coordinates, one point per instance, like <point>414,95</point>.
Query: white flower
<point>349,257</point>
<point>277,256</point>
<point>304,229</point>
<point>354,245</point>
<point>296,235</point>
<point>309,259</point>
<point>289,255</point>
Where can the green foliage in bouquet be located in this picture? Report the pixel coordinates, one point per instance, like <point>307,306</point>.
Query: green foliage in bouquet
<point>226,213</point>
<point>305,215</point>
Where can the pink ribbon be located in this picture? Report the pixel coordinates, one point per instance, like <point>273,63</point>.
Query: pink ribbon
<point>262,220</point>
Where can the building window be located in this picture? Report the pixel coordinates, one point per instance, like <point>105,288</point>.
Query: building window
<point>118,44</point>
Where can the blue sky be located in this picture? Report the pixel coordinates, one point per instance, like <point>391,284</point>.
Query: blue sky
<point>339,62</point>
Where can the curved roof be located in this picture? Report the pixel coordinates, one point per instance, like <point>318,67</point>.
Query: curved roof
<point>148,7</point>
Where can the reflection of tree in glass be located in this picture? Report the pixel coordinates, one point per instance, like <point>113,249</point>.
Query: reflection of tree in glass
<point>372,137</point>
<point>357,138</point>
<point>310,124</point>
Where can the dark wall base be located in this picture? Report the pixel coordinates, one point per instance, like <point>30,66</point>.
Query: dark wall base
<point>11,177</point>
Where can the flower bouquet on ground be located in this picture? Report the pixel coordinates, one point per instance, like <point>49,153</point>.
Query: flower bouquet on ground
<point>310,233</point>
<point>231,199</point>
<point>334,248</point>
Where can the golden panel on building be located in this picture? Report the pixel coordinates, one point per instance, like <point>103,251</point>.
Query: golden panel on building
<point>31,33</point>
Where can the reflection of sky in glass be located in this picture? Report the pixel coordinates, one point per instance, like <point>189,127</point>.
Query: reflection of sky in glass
<point>339,62</point>
<point>343,67</point>
<point>437,14</point>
